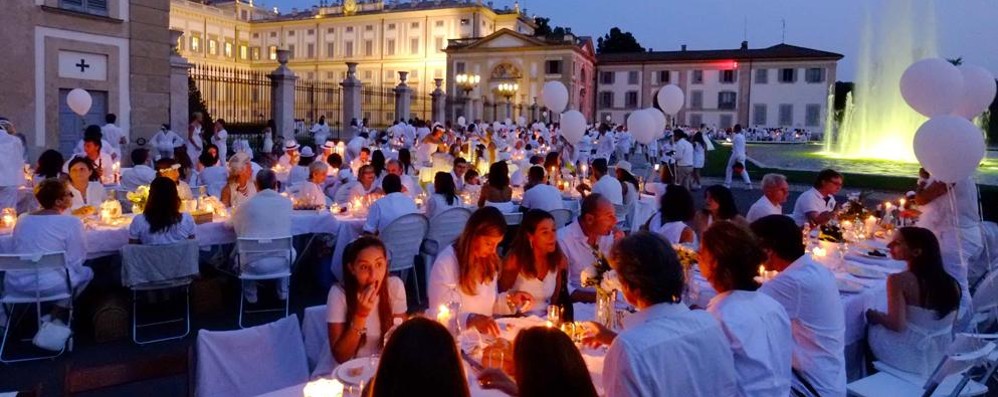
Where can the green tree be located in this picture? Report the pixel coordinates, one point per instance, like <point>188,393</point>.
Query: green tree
<point>545,30</point>
<point>617,41</point>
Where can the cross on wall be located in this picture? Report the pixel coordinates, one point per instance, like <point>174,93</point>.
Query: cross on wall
<point>82,65</point>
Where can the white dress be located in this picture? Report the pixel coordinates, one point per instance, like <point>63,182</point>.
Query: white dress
<point>445,277</point>
<point>672,231</point>
<point>438,204</point>
<point>699,155</point>
<point>920,347</point>
<point>181,231</point>
<point>541,289</point>
<point>95,196</point>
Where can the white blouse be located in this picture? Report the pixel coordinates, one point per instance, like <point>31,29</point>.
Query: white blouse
<point>445,277</point>
<point>95,196</point>
<point>181,231</point>
<point>236,198</point>
<point>541,289</point>
<point>336,313</point>
<point>438,204</point>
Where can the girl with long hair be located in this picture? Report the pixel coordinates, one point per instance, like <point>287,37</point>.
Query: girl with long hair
<point>535,263</point>
<point>49,165</point>
<point>87,192</point>
<point>378,162</point>
<point>719,205</point>
<point>161,222</point>
<point>405,159</point>
<point>497,189</point>
<point>444,195</point>
<point>420,358</point>
<point>546,363</point>
<point>675,210</point>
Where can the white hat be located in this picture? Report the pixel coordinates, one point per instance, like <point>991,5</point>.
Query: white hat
<point>329,145</point>
<point>307,152</point>
<point>290,144</point>
<point>624,165</point>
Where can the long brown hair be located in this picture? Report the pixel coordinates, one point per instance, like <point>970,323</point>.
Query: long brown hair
<point>937,289</point>
<point>484,221</point>
<point>736,253</point>
<point>520,257</point>
<point>548,364</point>
<point>420,358</point>
<point>162,211</point>
<point>351,287</point>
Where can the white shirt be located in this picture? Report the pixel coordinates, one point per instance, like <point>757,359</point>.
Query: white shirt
<point>438,204</point>
<point>165,142</point>
<point>807,291</point>
<point>758,330</point>
<point>541,289</point>
<point>684,153</point>
<point>738,146</point>
<point>575,244</point>
<point>213,176</point>
<point>113,135</point>
<point>95,196</point>
<point>181,231</point>
<point>458,181</point>
<point>136,176</point>
<point>220,140</point>
<point>355,165</point>
<point>763,207</point>
<point>542,197</point>
<point>811,201</point>
<point>386,210</point>
<point>49,233</point>
<point>446,275</point>
<point>11,160</point>
<point>357,190</point>
<point>610,188</point>
<point>336,313</point>
<point>310,193</point>
<point>669,350</point>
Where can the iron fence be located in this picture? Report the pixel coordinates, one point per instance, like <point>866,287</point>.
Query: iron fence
<point>238,96</point>
<point>319,98</point>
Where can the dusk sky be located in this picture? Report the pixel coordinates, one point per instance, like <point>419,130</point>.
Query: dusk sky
<point>966,28</point>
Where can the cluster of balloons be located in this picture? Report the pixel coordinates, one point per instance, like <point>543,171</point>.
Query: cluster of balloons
<point>949,146</point>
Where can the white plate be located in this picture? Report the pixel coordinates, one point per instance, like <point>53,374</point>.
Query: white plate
<point>343,371</point>
<point>864,272</point>
<point>848,286</point>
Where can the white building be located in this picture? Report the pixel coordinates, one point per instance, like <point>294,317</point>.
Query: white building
<point>778,86</point>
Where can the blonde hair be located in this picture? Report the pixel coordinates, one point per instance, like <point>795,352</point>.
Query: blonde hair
<point>237,162</point>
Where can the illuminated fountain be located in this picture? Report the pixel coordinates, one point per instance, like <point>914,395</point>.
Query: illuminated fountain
<point>876,122</point>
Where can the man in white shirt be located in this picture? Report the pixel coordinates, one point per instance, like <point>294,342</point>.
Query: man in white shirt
<point>684,159</point>
<point>11,166</point>
<point>290,157</point>
<point>103,164</point>
<point>604,148</point>
<point>665,349</point>
<point>605,185</point>
<point>140,173</point>
<point>265,215</point>
<point>774,193</point>
<point>354,146</point>
<point>460,167</point>
<point>809,294</point>
<point>817,205</point>
<point>363,158</point>
<point>593,232</point>
<point>539,195</point>
<point>738,155</point>
<point>166,141</point>
<point>390,207</point>
<point>410,188</point>
<point>113,135</point>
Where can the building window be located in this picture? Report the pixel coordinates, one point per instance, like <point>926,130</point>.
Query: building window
<point>212,47</point>
<point>97,7</point>
<point>631,99</point>
<point>664,77</point>
<point>227,48</point>
<point>310,51</point>
<point>788,75</point>
<point>256,53</point>
<point>311,32</point>
<point>632,77</point>
<point>696,100</point>
<point>330,30</point>
<point>786,115</point>
<point>272,52</point>
<point>696,119</point>
<point>607,77</point>
<point>391,26</point>
<point>726,100</point>
<point>439,24</point>
<point>725,121</point>
<point>814,75</point>
<point>759,114</point>
<point>389,76</point>
<point>291,52</point>
<point>348,50</point>
<point>762,76</point>
<point>368,48</point>
<point>368,75</point>
<point>812,115</point>
<point>256,35</point>
<point>605,116</point>
<point>414,74</point>
<point>697,77</point>
<point>195,44</point>
<point>727,76</point>
<point>438,74</point>
<point>465,22</point>
<point>552,67</point>
<point>368,28</point>
<point>414,46</point>
<point>459,67</point>
<point>291,33</point>
<point>606,99</point>
<point>244,15</point>
<point>390,47</point>
<point>438,43</point>
<point>243,52</point>
<point>330,49</point>
<point>414,25</point>
<point>349,29</point>
<point>273,34</point>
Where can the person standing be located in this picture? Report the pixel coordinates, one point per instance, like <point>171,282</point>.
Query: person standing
<point>320,132</point>
<point>114,136</point>
<point>11,167</point>
<point>684,159</point>
<point>165,141</point>
<point>699,157</point>
<point>220,140</point>
<point>194,139</point>
<point>738,155</point>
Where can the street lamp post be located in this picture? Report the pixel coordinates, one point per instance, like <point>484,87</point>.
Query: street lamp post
<point>508,91</point>
<point>467,83</point>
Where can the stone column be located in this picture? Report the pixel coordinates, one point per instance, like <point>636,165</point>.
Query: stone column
<point>534,116</point>
<point>351,95</point>
<point>179,88</point>
<point>403,98</point>
<point>282,96</point>
<point>439,102</point>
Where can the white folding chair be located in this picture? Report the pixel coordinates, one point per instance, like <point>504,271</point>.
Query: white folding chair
<point>513,218</point>
<point>562,217</point>
<point>158,267</point>
<point>21,264</point>
<point>402,239</point>
<point>505,207</point>
<point>250,250</point>
<point>251,361</point>
<point>315,334</point>
<point>443,231</point>
<point>985,301</point>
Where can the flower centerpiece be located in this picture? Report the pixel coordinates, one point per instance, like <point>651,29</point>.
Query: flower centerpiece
<point>853,209</point>
<point>604,279</point>
<point>138,198</point>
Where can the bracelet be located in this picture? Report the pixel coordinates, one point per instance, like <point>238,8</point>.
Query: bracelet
<point>360,331</point>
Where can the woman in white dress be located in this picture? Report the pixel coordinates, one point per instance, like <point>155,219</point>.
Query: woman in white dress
<point>161,222</point>
<point>535,263</point>
<point>240,187</point>
<point>87,194</point>
<point>756,325</point>
<point>220,140</point>
<point>628,182</point>
<point>49,230</point>
<point>921,305</point>
<point>364,305</point>
<point>468,271</point>
<point>675,210</point>
<point>699,157</point>
<point>444,195</point>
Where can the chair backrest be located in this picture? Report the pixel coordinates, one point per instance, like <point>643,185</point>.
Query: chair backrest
<point>79,380</point>
<point>315,334</point>
<point>966,351</point>
<point>141,264</point>
<point>402,238</point>
<point>447,225</point>
<point>562,217</point>
<point>513,218</point>
<point>35,261</point>
<point>505,207</point>
<point>251,361</point>
<point>255,248</point>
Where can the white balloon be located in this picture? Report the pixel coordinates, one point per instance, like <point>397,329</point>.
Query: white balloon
<point>932,87</point>
<point>495,126</point>
<point>508,122</point>
<point>978,91</point>
<point>660,122</point>
<point>521,121</point>
<point>670,99</point>
<point>555,96</point>
<point>573,126</point>
<point>79,101</point>
<point>642,124</point>
<point>461,120</point>
<point>949,147</point>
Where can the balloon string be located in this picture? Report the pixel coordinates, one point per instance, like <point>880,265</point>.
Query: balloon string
<point>956,226</point>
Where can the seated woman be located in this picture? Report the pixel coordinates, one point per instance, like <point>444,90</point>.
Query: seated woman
<point>365,183</point>
<point>420,355</point>
<point>49,166</point>
<point>535,263</point>
<point>468,270</point>
<point>497,189</point>
<point>299,172</point>
<point>240,187</point>
<point>310,191</point>
<point>87,193</point>
<point>444,195</point>
<point>756,325</point>
<point>921,305</point>
<point>161,222</point>
<point>719,205</point>
<point>675,209</point>
<point>628,182</point>
<point>48,230</point>
<point>213,174</point>
<point>362,307</point>
<point>546,363</point>
<point>173,170</point>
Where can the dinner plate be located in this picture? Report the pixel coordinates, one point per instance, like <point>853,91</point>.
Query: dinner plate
<point>348,371</point>
<point>849,286</point>
<point>864,272</point>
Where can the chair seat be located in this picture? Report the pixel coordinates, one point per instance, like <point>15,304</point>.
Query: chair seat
<point>15,298</point>
<point>163,284</point>
<point>269,276</point>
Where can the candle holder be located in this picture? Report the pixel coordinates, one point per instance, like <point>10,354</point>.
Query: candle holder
<point>8,218</point>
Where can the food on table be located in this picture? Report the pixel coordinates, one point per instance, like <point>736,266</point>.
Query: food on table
<point>499,354</point>
<point>355,371</point>
<point>830,233</point>
<point>85,210</point>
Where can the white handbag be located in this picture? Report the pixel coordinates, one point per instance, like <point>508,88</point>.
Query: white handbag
<point>52,336</point>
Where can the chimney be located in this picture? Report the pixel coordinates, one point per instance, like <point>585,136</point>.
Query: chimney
<point>683,47</point>
<point>744,45</point>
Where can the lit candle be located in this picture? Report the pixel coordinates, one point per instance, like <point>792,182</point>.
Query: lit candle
<point>323,388</point>
<point>656,167</point>
<point>584,171</point>
<point>8,218</point>
<point>901,203</point>
<point>762,271</point>
<point>443,314</point>
<point>818,252</point>
<point>887,206</point>
<point>209,209</point>
<point>549,324</point>
<point>847,225</point>
<point>869,224</point>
